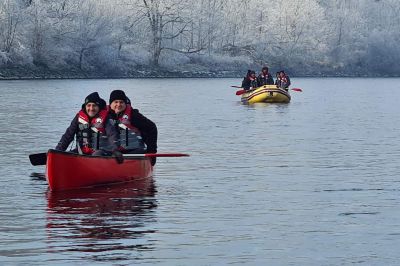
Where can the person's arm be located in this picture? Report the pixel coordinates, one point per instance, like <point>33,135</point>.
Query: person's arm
<point>113,139</point>
<point>246,84</point>
<point>270,80</point>
<point>112,134</point>
<point>147,128</point>
<point>288,82</point>
<point>149,132</point>
<point>259,81</point>
<point>68,136</point>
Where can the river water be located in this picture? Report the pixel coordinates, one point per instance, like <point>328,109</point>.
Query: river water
<point>312,182</point>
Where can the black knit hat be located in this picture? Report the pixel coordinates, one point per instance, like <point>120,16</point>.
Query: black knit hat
<point>94,98</point>
<point>249,72</point>
<point>118,95</point>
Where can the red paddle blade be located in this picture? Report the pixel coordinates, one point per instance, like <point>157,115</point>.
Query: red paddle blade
<point>240,92</point>
<point>297,89</point>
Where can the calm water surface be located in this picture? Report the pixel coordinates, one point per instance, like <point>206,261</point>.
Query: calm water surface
<point>313,182</point>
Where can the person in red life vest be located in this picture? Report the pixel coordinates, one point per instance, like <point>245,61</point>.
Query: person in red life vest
<point>94,132</point>
<point>265,78</point>
<point>250,81</point>
<point>138,134</point>
<point>283,80</point>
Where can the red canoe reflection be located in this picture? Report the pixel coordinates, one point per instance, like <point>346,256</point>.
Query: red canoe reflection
<point>118,212</point>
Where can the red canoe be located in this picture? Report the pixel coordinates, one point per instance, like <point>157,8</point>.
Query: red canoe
<point>65,170</point>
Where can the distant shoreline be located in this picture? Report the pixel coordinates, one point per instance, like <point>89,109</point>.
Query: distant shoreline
<point>177,77</point>
<point>20,73</point>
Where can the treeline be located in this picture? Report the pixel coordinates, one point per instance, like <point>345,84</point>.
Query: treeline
<point>117,38</point>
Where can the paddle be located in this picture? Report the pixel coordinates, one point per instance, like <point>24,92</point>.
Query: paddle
<point>40,158</point>
<point>156,155</point>
<point>240,92</point>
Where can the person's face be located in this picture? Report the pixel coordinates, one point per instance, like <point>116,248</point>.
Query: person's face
<point>265,72</point>
<point>92,109</point>
<point>252,75</point>
<point>118,106</point>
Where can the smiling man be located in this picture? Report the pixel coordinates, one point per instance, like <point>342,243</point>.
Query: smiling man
<point>94,133</point>
<point>137,134</point>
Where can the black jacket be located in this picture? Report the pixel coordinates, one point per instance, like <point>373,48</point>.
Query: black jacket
<point>265,80</point>
<point>72,130</point>
<point>247,83</point>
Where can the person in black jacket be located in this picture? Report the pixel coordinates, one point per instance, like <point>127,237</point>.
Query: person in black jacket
<point>138,134</point>
<point>265,78</point>
<point>277,81</point>
<point>250,81</point>
<point>94,132</point>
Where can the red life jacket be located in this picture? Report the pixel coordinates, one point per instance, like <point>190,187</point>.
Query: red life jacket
<point>91,133</point>
<point>125,119</point>
<point>130,136</point>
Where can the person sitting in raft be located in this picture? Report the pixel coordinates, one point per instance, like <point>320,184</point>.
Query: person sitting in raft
<point>250,81</point>
<point>95,135</point>
<point>277,80</point>
<point>283,81</point>
<point>138,134</point>
<point>265,78</point>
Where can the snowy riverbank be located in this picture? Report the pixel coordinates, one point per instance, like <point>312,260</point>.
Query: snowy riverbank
<point>14,73</point>
<point>43,73</point>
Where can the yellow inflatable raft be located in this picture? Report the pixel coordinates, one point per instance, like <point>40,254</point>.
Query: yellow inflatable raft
<point>266,94</point>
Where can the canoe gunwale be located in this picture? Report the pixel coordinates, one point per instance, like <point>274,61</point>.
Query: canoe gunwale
<point>72,154</point>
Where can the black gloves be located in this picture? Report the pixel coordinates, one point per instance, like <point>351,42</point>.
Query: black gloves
<point>118,156</point>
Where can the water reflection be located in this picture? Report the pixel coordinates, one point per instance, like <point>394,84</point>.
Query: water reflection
<point>87,219</point>
<point>38,176</point>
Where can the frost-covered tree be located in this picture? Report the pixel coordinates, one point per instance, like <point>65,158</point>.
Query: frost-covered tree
<point>37,31</point>
<point>347,36</point>
<point>92,27</point>
<point>295,31</point>
<point>382,37</point>
<point>166,21</point>
<point>331,36</point>
<point>10,21</point>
